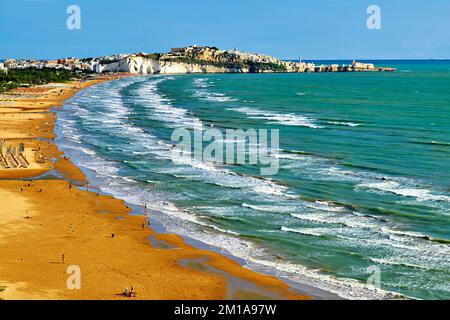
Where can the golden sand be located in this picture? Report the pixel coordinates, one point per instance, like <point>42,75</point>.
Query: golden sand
<point>48,226</point>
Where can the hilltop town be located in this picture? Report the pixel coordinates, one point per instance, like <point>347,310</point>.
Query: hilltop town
<point>192,59</point>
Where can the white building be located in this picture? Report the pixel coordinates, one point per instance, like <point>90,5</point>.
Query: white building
<point>2,68</point>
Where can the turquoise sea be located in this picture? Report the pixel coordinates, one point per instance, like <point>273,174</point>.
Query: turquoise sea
<point>363,185</point>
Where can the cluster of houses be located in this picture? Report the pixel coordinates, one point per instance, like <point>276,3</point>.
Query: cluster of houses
<point>62,64</point>
<point>214,54</point>
<point>66,63</point>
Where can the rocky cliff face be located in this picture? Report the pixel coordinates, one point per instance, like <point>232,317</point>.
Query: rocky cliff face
<point>134,64</point>
<point>173,67</point>
<point>144,65</point>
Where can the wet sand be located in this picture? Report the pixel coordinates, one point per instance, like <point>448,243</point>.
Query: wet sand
<point>48,226</point>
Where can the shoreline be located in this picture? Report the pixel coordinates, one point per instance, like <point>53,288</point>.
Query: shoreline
<point>39,245</point>
<point>161,225</point>
<point>310,282</point>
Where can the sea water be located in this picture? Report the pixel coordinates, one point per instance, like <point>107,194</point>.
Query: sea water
<point>363,181</point>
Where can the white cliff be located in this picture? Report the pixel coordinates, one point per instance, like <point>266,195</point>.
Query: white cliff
<point>144,65</point>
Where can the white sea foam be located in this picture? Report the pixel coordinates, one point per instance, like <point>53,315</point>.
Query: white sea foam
<point>213,96</point>
<point>324,205</point>
<point>303,231</point>
<point>160,108</point>
<point>288,156</point>
<point>317,218</point>
<point>396,262</point>
<point>207,95</point>
<point>340,123</point>
<point>287,119</point>
<point>270,208</point>
<point>394,187</point>
<point>405,233</point>
<point>228,179</point>
<point>201,83</point>
<point>384,184</point>
<point>336,173</point>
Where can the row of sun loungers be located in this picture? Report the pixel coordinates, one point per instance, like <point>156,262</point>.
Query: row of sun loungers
<point>11,161</point>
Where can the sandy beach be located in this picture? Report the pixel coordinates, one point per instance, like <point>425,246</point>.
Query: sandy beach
<point>50,222</point>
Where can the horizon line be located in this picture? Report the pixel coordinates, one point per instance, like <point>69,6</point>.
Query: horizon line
<point>282,59</point>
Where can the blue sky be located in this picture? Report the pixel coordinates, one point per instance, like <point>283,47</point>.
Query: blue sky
<point>320,29</point>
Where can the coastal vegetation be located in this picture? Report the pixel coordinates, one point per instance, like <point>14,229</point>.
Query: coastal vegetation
<point>155,56</point>
<point>34,76</point>
<point>267,66</point>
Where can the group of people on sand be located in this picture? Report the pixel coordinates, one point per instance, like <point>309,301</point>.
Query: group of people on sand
<point>129,293</point>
